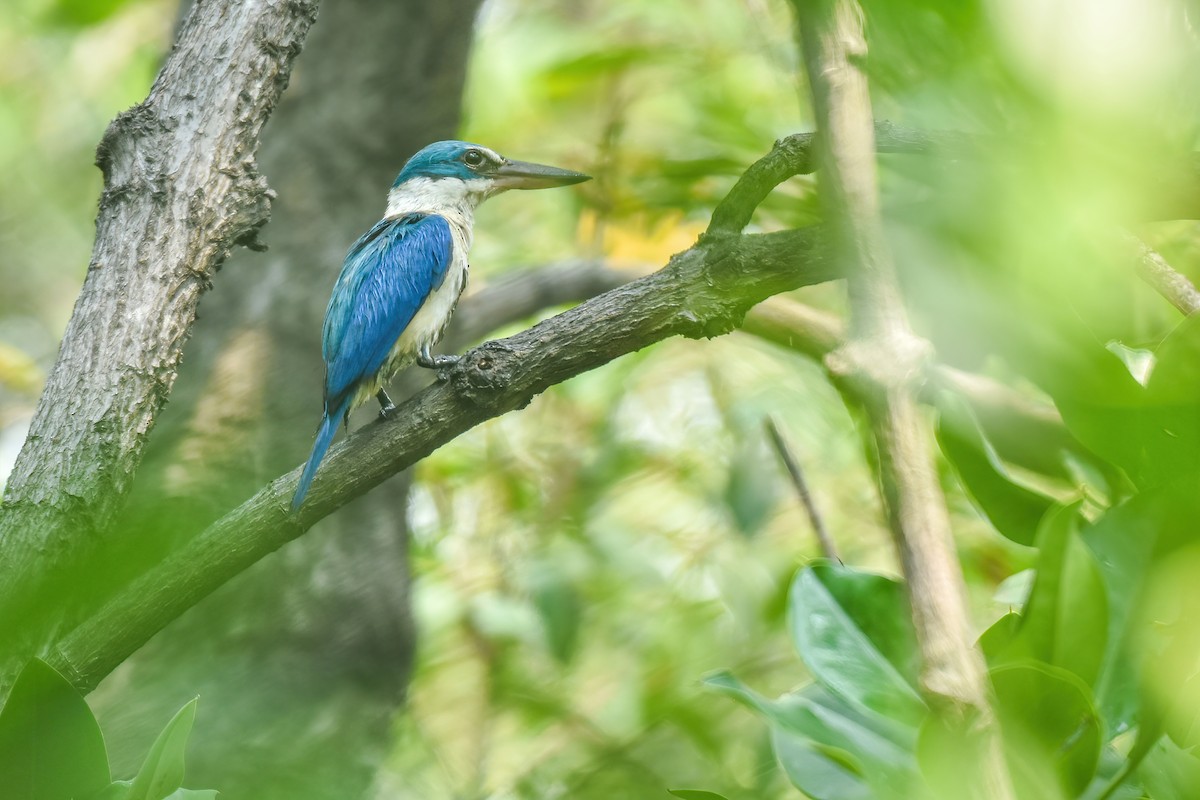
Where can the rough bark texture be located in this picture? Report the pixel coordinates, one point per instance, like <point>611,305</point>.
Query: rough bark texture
<point>303,662</point>
<point>885,361</point>
<point>181,188</point>
<point>704,291</point>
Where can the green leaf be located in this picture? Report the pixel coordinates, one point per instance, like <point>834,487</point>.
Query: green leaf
<point>854,632</point>
<point>162,772</point>
<point>1127,542</point>
<point>1103,406</point>
<point>1051,729</point>
<point>951,753</point>
<point>561,610</point>
<point>1013,509</point>
<point>1170,773</point>
<point>751,488</point>
<point>695,794</point>
<point>117,790</point>
<point>50,745</point>
<point>829,748</point>
<point>822,773</point>
<point>1172,424</point>
<point>997,641</point>
<point>1153,433</point>
<point>1065,622</point>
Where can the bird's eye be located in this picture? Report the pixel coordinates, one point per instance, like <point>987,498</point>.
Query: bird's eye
<point>473,158</point>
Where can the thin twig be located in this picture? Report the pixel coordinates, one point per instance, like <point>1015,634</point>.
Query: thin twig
<point>828,549</point>
<point>1171,284</point>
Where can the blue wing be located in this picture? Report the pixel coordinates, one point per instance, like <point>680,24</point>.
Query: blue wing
<point>386,277</point>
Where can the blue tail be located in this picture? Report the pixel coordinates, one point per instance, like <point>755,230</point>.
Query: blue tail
<point>329,426</point>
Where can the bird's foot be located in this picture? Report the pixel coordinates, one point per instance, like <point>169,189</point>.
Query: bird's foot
<point>436,362</point>
<point>443,364</point>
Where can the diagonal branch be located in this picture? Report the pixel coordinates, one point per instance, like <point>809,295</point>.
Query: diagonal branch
<point>704,291</point>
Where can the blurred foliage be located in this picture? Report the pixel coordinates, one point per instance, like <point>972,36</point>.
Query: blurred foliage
<point>581,565</point>
<point>51,747</point>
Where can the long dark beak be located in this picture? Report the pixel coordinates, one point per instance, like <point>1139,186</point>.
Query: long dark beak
<point>524,175</point>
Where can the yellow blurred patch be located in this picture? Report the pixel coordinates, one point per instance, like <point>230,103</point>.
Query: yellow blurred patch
<point>634,239</point>
<point>19,372</point>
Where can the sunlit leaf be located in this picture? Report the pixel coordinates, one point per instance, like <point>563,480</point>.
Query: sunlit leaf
<point>50,745</point>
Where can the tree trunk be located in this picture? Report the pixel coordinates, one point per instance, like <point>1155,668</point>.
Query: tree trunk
<point>302,662</point>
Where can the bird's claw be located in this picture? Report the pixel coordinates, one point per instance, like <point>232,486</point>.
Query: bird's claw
<point>436,362</point>
<point>443,364</point>
<point>386,411</point>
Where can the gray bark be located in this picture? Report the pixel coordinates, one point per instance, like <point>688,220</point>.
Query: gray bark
<point>181,188</point>
<point>301,663</point>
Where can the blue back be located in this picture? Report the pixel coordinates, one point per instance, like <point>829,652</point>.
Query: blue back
<point>387,275</point>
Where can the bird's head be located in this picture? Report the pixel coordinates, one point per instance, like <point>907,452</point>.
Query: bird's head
<point>453,172</point>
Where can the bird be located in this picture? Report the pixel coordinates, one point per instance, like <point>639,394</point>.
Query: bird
<point>401,279</point>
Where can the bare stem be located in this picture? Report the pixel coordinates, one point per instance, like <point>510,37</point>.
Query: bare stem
<point>796,473</point>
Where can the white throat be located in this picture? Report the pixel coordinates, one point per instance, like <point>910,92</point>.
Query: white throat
<point>450,197</point>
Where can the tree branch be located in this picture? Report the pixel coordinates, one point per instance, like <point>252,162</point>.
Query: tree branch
<point>1174,286</point>
<point>885,361</point>
<point>702,292</point>
<point>1024,431</point>
<point>181,189</point>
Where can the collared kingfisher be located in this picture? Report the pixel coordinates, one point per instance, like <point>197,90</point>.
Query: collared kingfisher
<point>401,280</point>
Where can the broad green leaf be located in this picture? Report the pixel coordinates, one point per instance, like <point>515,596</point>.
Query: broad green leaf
<point>1152,432</point>
<point>117,790</point>
<point>162,772</point>
<point>1014,510</point>
<point>695,794</point>
<point>1065,622</point>
<point>50,745</point>
<point>1126,543</point>
<point>1104,406</point>
<point>820,772</point>
<point>1170,773</point>
<point>950,752</point>
<point>1051,728</point>
<point>1171,428</point>
<point>820,734</point>
<point>853,631</point>
<point>997,641</point>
